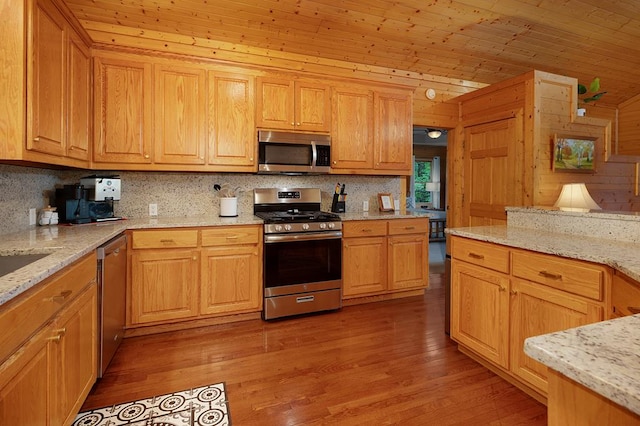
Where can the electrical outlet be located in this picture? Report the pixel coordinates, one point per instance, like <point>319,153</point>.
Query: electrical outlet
<point>153,209</point>
<point>32,216</point>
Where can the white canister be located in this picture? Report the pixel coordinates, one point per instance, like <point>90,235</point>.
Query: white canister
<point>228,206</point>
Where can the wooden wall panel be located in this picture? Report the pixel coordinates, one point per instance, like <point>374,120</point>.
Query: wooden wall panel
<point>629,127</point>
<point>612,185</point>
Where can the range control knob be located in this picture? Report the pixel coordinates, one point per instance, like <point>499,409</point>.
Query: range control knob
<point>287,227</point>
<point>332,225</point>
<point>305,226</point>
<point>323,226</point>
<point>278,228</point>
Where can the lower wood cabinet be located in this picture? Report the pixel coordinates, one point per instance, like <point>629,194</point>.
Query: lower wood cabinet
<point>184,274</point>
<point>480,311</point>
<point>47,377</point>
<point>493,309</point>
<point>625,296</point>
<point>384,256</point>
<point>164,284</point>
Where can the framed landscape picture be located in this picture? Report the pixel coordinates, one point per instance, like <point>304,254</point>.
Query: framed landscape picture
<point>573,154</point>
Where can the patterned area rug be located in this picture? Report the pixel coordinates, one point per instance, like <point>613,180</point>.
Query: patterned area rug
<point>204,406</point>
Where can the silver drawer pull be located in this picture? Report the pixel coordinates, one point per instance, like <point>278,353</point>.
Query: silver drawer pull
<point>476,256</point>
<point>167,241</point>
<point>550,275</point>
<point>409,227</point>
<point>305,299</point>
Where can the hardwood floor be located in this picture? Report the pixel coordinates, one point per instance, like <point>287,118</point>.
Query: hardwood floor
<point>379,363</point>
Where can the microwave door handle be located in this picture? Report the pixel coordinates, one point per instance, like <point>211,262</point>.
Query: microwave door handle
<point>314,154</point>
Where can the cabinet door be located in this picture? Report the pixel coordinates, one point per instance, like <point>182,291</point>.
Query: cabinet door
<point>232,137</point>
<point>276,100</point>
<point>231,280</point>
<point>352,128</point>
<point>364,266</point>
<point>24,387</point>
<point>122,112</point>
<point>536,310</point>
<point>164,285</point>
<point>78,135</point>
<point>394,131</point>
<point>493,166</point>
<point>73,356</point>
<point>480,311</point>
<point>408,261</point>
<point>47,81</point>
<point>179,115</point>
<point>312,107</point>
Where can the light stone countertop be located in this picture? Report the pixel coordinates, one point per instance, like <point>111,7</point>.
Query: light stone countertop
<point>68,243</point>
<point>604,357</point>
<point>621,255</point>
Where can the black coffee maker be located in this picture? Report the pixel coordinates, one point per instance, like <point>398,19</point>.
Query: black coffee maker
<point>72,203</point>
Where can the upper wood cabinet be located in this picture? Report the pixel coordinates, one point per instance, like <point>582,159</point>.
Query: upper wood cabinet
<point>167,114</point>
<point>393,131</point>
<point>122,110</point>
<point>79,116</point>
<point>293,105</point>
<point>232,138</point>
<point>179,113</point>
<point>58,95</point>
<point>352,129</point>
<point>371,131</point>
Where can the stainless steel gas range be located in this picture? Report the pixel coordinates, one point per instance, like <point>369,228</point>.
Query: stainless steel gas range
<point>302,252</point>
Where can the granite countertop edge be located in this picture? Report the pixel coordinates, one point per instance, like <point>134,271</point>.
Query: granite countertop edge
<point>602,356</point>
<point>68,243</point>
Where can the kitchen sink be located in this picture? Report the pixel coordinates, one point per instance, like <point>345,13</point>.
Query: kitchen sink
<point>13,262</point>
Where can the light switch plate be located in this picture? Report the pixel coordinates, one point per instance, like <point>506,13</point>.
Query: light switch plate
<point>153,209</point>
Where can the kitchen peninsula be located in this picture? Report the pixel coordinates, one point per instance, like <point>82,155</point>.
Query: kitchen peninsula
<point>549,271</point>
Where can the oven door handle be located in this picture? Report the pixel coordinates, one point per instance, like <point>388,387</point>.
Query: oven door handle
<point>304,236</point>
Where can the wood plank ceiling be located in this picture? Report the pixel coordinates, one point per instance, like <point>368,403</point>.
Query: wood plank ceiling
<point>484,41</point>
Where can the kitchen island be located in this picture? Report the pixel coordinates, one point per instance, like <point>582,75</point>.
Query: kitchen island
<point>577,271</point>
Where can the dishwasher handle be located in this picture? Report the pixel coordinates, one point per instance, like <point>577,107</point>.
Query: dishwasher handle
<point>112,246</point>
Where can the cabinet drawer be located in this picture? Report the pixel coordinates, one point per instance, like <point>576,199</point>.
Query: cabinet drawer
<point>480,253</point>
<point>573,276</point>
<point>625,296</point>
<point>22,316</point>
<point>165,238</point>
<point>364,228</point>
<point>408,226</point>
<point>230,235</point>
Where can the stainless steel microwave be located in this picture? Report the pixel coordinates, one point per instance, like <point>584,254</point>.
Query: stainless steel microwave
<point>293,153</point>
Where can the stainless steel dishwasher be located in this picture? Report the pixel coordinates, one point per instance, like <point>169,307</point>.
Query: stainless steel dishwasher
<point>112,277</point>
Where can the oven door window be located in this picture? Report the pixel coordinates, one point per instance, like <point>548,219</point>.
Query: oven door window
<point>301,262</point>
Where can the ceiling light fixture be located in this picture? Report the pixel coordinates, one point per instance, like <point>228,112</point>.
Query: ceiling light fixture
<point>434,134</point>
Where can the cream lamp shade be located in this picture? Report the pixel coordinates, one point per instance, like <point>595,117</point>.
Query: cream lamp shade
<point>575,198</point>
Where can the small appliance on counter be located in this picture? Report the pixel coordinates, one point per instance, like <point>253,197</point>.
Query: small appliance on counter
<point>89,201</point>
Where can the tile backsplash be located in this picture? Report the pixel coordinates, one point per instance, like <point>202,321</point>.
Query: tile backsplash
<point>176,194</point>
